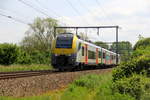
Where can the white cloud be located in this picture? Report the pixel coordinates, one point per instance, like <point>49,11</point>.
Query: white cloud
<point>131,15</point>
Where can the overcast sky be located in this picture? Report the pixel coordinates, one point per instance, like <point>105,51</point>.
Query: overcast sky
<point>133,16</point>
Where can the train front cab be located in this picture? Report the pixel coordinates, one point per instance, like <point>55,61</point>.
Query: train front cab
<point>64,51</point>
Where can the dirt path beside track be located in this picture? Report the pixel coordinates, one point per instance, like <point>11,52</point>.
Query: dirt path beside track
<point>36,85</point>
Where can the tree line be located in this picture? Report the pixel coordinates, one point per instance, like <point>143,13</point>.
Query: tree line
<point>35,47</point>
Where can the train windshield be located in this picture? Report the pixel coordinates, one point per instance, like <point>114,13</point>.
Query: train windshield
<point>64,41</point>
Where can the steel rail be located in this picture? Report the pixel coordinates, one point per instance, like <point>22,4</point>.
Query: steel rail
<point>20,74</point>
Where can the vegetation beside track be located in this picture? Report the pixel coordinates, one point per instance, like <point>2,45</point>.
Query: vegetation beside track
<point>89,87</point>
<point>32,67</point>
<point>129,81</point>
<point>93,87</point>
<point>133,77</point>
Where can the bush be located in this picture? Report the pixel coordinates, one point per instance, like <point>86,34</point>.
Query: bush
<point>93,87</point>
<point>24,58</point>
<point>8,53</point>
<point>138,65</point>
<point>39,57</point>
<point>75,93</point>
<point>135,86</point>
<point>141,51</point>
<point>115,96</point>
<point>142,43</point>
<point>90,81</point>
<point>82,88</point>
<point>105,92</point>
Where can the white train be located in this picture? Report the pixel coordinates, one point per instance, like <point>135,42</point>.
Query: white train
<point>70,52</point>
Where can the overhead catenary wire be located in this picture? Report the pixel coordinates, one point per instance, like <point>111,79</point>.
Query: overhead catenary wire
<point>77,12</point>
<point>102,9</point>
<point>90,12</point>
<point>44,7</point>
<point>47,9</point>
<point>14,13</point>
<point>36,9</point>
<point>13,18</point>
<point>83,5</point>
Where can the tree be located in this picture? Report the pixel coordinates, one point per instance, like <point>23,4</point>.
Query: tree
<point>102,44</point>
<point>140,37</point>
<point>83,36</point>
<point>142,43</point>
<point>124,49</point>
<point>40,34</point>
<point>8,53</point>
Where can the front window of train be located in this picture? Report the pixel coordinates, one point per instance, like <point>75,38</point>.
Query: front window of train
<point>64,41</point>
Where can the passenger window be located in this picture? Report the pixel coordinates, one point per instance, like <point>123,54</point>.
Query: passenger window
<point>86,51</point>
<point>114,57</point>
<point>82,51</point>
<point>104,55</point>
<point>111,57</point>
<point>100,54</point>
<point>91,55</point>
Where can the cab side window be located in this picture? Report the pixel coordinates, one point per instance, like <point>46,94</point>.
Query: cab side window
<point>79,46</point>
<point>104,55</point>
<point>82,51</point>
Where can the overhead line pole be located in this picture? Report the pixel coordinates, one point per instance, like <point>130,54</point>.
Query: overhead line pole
<point>88,27</point>
<point>117,49</point>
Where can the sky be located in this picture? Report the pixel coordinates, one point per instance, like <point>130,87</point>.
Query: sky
<point>132,16</point>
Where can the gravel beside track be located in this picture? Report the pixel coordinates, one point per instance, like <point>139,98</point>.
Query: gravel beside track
<point>36,85</point>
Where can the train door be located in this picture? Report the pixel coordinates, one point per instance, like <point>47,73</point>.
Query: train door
<point>86,54</point>
<point>107,58</point>
<point>111,58</point>
<point>97,56</point>
<point>82,54</point>
<point>104,57</point>
<point>101,56</point>
<point>79,52</point>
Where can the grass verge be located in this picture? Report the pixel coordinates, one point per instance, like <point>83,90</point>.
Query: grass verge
<point>33,67</point>
<point>93,87</point>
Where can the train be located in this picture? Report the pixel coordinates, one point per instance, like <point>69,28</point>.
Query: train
<point>69,51</point>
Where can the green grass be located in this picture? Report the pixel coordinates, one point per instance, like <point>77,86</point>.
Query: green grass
<point>27,98</point>
<point>93,87</point>
<point>33,67</point>
<point>54,95</point>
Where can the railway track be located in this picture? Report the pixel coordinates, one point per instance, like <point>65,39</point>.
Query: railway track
<point>19,74</point>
